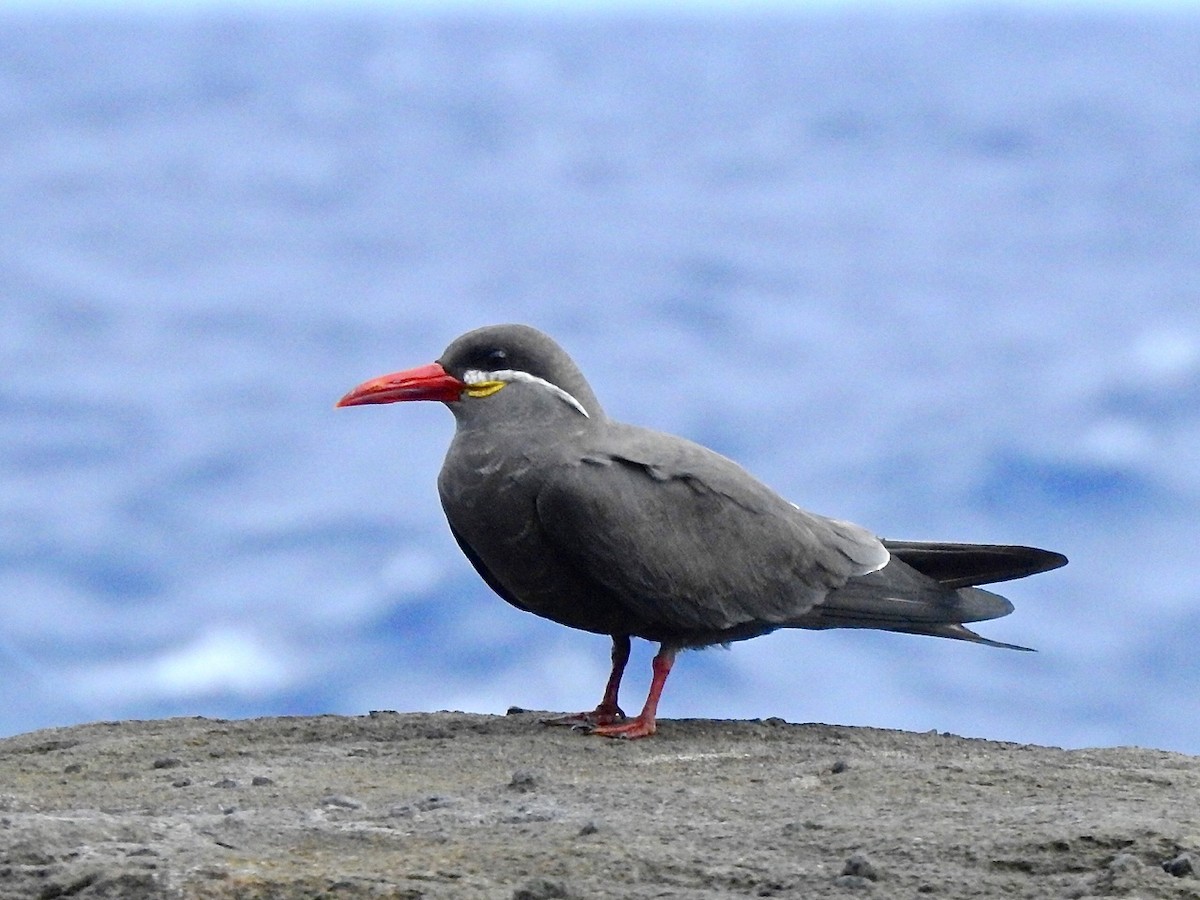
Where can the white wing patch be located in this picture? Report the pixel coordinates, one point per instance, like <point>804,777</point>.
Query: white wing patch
<point>879,555</point>
<point>883,560</point>
<point>507,376</point>
<point>868,550</point>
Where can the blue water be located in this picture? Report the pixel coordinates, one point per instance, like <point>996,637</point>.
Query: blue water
<point>935,272</point>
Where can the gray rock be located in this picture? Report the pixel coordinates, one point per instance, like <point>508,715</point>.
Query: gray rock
<point>439,809</point>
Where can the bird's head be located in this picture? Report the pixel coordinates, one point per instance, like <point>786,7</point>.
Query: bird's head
<point>479,365</point>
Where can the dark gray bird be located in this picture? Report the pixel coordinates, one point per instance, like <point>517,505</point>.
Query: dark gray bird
<point>628,532</point>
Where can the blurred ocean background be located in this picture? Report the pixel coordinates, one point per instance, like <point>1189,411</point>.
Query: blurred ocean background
<point>935,270</point>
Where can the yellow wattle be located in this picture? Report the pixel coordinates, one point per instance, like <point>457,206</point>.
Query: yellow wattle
<point>485,388</point>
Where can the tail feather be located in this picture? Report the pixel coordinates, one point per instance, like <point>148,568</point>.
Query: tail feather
<point>967,565</point>
<point>960,632</point>
<point>901,598</point>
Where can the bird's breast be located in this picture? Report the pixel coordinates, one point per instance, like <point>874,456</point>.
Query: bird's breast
<point>490,501</point>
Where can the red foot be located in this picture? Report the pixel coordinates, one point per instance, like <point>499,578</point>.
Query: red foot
<point>602,715</point>
<point>607,713</point>
<point>607,720</point>
<point>643,725</point>
<point>640,727</point>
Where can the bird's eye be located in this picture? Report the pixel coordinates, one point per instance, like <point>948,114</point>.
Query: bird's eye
<point>497,359</point>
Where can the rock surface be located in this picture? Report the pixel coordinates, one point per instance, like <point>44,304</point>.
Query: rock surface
<point>455,805</point>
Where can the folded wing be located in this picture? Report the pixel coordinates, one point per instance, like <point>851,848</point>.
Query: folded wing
<point>691,543</point>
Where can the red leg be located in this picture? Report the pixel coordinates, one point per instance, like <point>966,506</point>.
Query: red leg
<point>608,712</point>
<point>643,725</point>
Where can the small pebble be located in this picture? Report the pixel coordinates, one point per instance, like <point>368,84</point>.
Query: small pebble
<point>225,783</point>
<point>540,889</point>
<point>168,762</point>
<point>1180,866</point>
<point>589,828</point>
<point>839,767</point>
<point>261,781</point>
<point>523,780</point>
<point>860,867</point>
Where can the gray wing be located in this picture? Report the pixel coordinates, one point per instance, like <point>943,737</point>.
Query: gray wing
<point>689,541</point>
